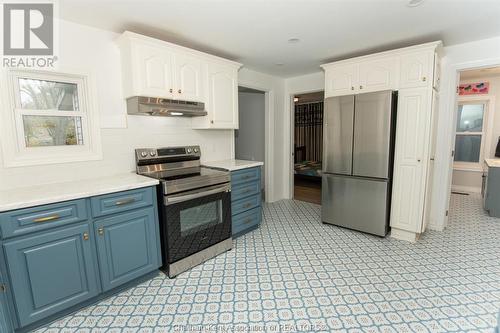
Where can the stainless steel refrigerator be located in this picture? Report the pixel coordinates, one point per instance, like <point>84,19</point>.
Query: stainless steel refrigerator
<point>358,137</point>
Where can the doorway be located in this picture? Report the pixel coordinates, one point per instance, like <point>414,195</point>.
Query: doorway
<point>249,139</point>
<point>308,146</point>
<point>477,129</point>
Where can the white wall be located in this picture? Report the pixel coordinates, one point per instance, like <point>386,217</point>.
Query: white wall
<point>249,140</point>
<point>295,85</point>
<point>484,53</point>
<point>90,49</point>
<point>472,180</point>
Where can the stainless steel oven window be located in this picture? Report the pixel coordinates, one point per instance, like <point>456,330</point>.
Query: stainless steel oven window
<point>208,214</point>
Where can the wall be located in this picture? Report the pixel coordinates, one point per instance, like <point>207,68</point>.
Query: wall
<point>295,85</point>
<point>481,53</point>
<point>86,48</point>
<point>249,140</point>
<point>468,180</point>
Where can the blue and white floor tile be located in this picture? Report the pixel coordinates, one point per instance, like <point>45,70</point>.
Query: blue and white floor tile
<point>297,274</point>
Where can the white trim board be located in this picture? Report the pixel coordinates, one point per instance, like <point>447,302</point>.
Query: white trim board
<point>465,189</point>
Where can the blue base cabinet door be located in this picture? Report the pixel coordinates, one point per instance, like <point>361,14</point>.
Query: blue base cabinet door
<point>51,272</point>
<point>126,246</point>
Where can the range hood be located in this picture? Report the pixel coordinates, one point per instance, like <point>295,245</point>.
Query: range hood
<point>151,106</point>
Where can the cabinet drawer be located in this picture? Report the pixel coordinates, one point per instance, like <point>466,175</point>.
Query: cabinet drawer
<point>244,190</point>
<point>28,220</point>
<point>245,204</point>
<point>246,175</point>
<point>246,220</point>
<point>121,202</point>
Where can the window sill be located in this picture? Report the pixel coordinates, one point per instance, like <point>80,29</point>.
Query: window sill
<point>469,168</point>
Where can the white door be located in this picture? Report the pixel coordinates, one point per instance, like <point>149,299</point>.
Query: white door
<point>188,78</point>
<point>378,75</point>
<point>411,154</point>
<point>155,72</point>
<point>432,161</point>
<point>416,69</point>
<point>223,96</point>
<point>341,80</point>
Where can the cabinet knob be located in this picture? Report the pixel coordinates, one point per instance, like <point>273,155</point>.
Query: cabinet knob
<point>86,236</point>
<point>100,231</point>
<point>171,90</point>
<point>360,87</point>
<point>424,79</point>
<point>418,160</point>
<point>211,121</point>
<point>179,91</point>
<point>352,88</point>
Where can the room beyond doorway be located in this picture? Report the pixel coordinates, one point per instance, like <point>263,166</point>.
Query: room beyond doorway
<point>249,139</point>
<point>308,146</point>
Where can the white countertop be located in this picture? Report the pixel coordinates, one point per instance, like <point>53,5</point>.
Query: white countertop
<point>232,165</point>
<point>493,162</point>
<point>50,193</point>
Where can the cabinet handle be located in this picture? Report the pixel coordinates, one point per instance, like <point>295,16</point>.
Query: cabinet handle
<point>86,236</point>
<point>211,121</point>
<point>247,205</point>
<point>424,79</point>
<point>360,87</point>
<point>247,221</point>
<point>352,88</point>
<point>47,218</point>
<point>100,231</point>
<point>171,90</point>
<point>124,202</point>
<point>418,160</point>
<point>179,91</point>
<point>432,158</point>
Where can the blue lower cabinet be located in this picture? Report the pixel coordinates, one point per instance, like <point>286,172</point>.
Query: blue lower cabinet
<point>246,203</point>
<point>5,324</point>
<point>51,272</point>
<point>126,247</point>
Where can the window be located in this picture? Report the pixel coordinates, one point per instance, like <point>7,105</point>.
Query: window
<point>53,119</point>
<point>470,134</point>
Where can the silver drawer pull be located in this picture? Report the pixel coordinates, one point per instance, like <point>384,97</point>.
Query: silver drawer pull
<point>124,202</point>
<point>47,218</point>
<point>247,221</point>
<point>247,205</point>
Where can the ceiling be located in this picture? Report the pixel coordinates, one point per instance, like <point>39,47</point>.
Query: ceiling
<point>256,32</point>
<point>480,73</point>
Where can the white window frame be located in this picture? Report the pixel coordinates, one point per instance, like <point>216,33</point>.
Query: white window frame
<point>489,106</point>
<point>15,151</point>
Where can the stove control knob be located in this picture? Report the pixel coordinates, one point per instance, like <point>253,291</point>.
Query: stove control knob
<point>144,154</point>
<point>189,150</point>
<point>196,150</point>
<point>152,153</point>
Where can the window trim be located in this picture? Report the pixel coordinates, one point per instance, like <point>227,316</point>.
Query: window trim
<point>15,152</point>
<point>489,102</point>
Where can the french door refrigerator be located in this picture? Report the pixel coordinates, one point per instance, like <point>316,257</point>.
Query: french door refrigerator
<point>359,132</point>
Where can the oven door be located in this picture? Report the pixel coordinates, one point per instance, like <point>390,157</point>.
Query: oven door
<point>195,220</point>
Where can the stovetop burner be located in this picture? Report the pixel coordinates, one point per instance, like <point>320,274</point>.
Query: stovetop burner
<point>179,171</point>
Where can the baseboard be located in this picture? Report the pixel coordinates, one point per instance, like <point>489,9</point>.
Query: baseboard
<point>465,189</point>
<point>404,235</point>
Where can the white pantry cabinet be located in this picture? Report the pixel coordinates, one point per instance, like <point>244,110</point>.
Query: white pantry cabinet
<point>155,68</point>
<point>414,72</point>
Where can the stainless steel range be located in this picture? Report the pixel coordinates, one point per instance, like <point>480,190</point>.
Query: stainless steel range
<point>194,206</point>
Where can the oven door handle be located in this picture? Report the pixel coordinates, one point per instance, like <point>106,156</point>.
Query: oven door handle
<point>170,200</point>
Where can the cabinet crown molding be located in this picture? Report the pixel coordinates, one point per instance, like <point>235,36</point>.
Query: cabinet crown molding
<point>436,45</point>
<point>129,35</point>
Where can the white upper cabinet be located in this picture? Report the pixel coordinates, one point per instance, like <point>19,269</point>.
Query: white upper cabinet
<point>154,73</point>
<point>188,78</point>
<point>222,99</point>
<point>341,80</point>
<point>378,74</point>
<point>417,69</point>
<point>155,68</point>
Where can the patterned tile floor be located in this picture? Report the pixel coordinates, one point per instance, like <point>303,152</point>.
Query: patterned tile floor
<point>296,274</point>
